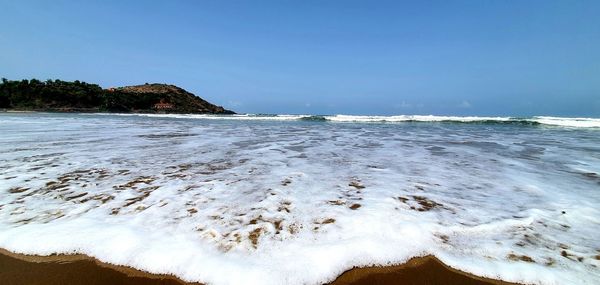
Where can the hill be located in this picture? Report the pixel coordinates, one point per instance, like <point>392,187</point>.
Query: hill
<point>77,96</point>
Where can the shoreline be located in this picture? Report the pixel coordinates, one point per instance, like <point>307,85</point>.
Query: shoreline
<point>100,111</point>
<point>78,269</point>
<point>74,269</point>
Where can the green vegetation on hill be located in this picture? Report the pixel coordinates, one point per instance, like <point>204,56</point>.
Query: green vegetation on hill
<point>77,96</point>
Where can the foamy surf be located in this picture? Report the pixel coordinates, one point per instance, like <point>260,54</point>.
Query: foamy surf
<point>536,120</point>
<point>298,203</point>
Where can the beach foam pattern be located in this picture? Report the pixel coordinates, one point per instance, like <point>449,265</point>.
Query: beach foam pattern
<point>226,201</point>
<point>533,121</point>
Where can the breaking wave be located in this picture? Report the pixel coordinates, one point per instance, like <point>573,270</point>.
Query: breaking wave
<point>525,121</point>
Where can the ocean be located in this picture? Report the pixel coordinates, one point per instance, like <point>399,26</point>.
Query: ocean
<point>289,199</point>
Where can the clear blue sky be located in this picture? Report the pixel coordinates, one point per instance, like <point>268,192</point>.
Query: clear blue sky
<point>322,57</point>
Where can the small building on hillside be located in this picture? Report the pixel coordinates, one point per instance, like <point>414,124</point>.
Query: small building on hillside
<point>163,105</point>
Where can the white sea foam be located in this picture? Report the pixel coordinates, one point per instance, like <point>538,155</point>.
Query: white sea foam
<point>262,202</point>
<point>543,120</point>
<point>415,118</point>
<point>569,122</point>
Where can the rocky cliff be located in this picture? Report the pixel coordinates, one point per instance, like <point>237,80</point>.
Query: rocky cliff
<point>77,96</point>
<point>169,99</point>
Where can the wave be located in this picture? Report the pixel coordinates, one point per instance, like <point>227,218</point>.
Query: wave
<point>528,121</point>
<point>314,118</point>
<point>531,121</point>
<point>267,199</point>
<point>434,119</point>
<point>569,122</point>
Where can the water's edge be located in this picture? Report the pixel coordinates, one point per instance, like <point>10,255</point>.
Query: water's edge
<point>356,275</point>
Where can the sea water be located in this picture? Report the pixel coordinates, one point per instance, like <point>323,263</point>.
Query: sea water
<point>299,199</point>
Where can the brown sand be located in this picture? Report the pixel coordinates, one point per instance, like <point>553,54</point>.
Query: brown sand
<point>17,269</point>
<point>426,270</point>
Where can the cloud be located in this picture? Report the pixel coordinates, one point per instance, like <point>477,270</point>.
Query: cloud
<point>464,104</point>
<point>235,103</point>
<point>404,105</point>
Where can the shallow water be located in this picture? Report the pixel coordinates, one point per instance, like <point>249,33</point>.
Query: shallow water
<point>299,201</point>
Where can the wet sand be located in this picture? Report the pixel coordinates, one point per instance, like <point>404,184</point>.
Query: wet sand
<point>17,269</point>
<point>426,270</point>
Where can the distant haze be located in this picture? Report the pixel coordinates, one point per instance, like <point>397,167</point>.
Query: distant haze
<point>515,58</point>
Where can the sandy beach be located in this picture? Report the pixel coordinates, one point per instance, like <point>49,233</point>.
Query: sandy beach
<point>72,269</point>
<point>81,269</point>
<point>300,142</point>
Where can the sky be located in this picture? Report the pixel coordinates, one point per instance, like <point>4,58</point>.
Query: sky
<point>493,58</point>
